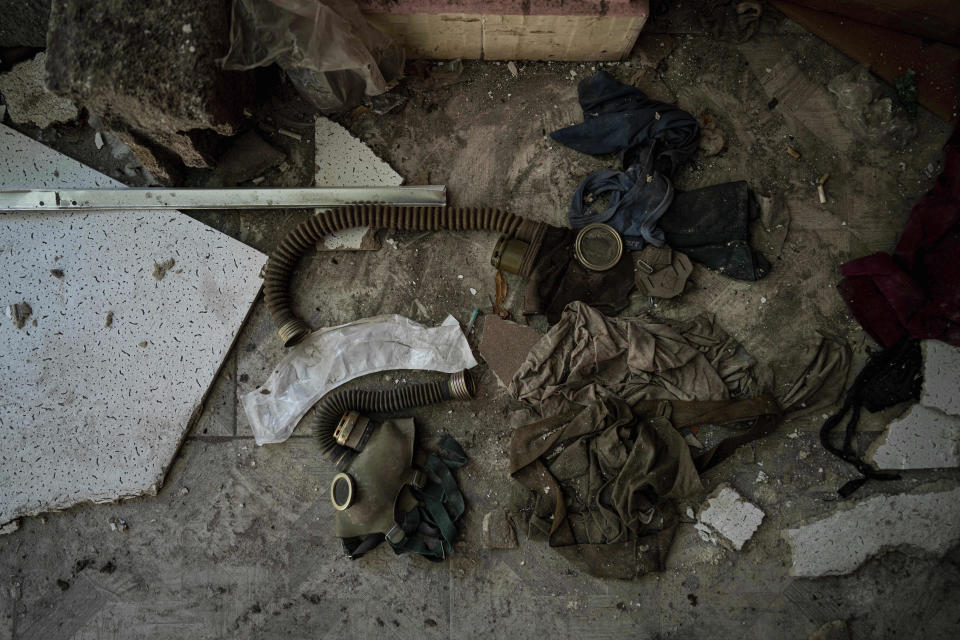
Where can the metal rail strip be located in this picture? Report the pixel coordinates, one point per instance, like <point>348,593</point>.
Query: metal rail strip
<point>170,199</point>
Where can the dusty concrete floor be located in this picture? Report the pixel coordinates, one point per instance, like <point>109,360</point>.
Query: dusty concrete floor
<point>249,550</point>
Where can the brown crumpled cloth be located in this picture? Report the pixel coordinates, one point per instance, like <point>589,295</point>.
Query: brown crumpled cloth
<point>587,356</point>
<point>606,476</point>
<point>661,272</point>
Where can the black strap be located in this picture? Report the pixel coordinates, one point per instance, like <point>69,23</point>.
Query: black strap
<point>895,372</point>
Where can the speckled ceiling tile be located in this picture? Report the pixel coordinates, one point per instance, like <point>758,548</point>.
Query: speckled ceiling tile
<point>98,387</point>
<point>345,161</point>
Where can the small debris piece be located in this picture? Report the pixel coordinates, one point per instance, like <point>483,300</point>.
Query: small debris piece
<point>498,532</point>
<point>160,268</point>
<point>19,313</point>
<point>119,524</point>
<point>109,321</point>
<point>512,68</point>
<point>504,345</point>
<point>184,491</point>
<point>793,152</point>
<point>98,140</point>
<point>9,527</point>
<point>821,194</point>
<point>473,291</point>
<point>841,542</point>
<point>290,134</point>
<point>833,630</point>
<point>823,179</point>
<point>725,515</point>
<point>762,477</point>
<point>80,565</point>
<point>57,273</point>
<point>142,344</point>
<point>712,140</point>
<point>500,289</point>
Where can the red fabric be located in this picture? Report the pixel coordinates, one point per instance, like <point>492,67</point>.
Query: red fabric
<point>917,290</point>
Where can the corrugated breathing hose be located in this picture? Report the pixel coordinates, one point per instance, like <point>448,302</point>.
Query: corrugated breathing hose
<point>329,412</point>
<point>307,234</point>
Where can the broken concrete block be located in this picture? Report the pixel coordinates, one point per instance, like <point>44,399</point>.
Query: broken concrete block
<point>343,160</point>
<point>941,376</point>
<point>726,516</point>
<point>498,532</point>
<point>150,72</point>
<point>923,438</point>
<point>505,345</point>
<point>839,543</point>
<point>29,101</point>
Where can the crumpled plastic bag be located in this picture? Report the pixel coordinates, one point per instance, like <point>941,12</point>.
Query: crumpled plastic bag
<point>328,50</point>
<point>865,110</point>
<point>330,357</point>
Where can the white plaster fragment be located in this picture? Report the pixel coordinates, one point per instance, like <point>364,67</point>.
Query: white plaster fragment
<point>98,140</point>
<point>343,160</point>
<point>923,438</point>
<point>941,376</point>
<point>101,417</point>
<point>10,527</point>
<point>28,99</point>
<point>841,542</point>
<point>727,515</point>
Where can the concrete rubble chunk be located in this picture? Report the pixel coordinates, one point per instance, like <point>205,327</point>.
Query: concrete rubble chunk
<point>841,542</point>
<point>29,101</point>
<point>726,517</point>
<point>157,87</point>
<point>343,160</point>
<point>923,438</point>
<point>941,376</point>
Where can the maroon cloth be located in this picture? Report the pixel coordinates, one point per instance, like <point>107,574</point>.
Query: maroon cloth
<point>916,291</point>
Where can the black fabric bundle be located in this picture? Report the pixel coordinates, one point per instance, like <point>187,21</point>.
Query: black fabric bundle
<point>652,138</point>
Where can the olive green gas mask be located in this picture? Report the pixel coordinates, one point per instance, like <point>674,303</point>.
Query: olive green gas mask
<point>381,492</point>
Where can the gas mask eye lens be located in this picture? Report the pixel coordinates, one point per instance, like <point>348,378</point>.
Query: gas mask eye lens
<point>341,491</point>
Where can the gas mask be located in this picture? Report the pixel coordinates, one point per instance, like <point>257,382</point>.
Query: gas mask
<point>385,489</point>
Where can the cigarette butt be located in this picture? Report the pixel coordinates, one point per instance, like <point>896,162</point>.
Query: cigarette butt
<point>823,179</point>
<point>793,152</point>
<point>289,134</point>
<point>820,192</point>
